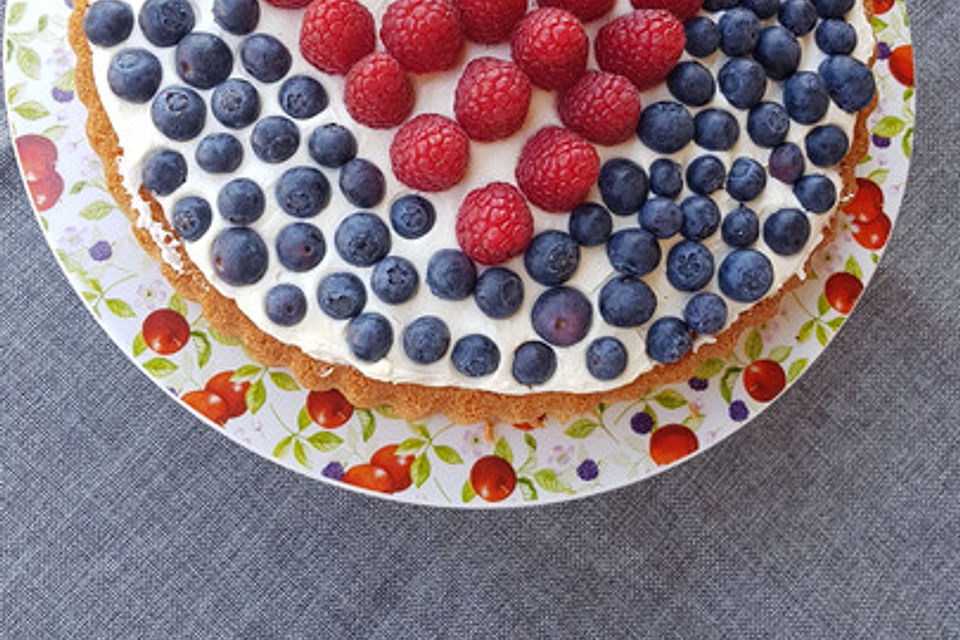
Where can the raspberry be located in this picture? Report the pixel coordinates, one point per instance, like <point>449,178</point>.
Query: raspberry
<point>424,35</point>
<point>492,99</point>
<point>586,10</point>
<point>430,153</point>
<point>643,46</point>
<point>551,46</point>
<point>490,21</point>
<point>494,223</point>
<point>335,34</point>
<point>289,4</point>
<point>557,168</point>
<point>602,107</point>
<point>683,9</point>
<point>377,92</point>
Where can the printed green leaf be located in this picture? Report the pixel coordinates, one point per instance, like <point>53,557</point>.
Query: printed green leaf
<point>878,175</point>
<point>222,338</point>
<point>16,13</point>
<point>878,24</point>
<point>836,323</point>
<point>527,490</point>
<point>255,396</point>
<point>42,22</point>
<point>502,449</point>
<point>466,492</point>
<point>324,441</point>
<point>139,344</point>
<point>202,345</point>
<point>420,470</point>
<point>71,265</point>
<point>447,454</point>
<point>780,354</point>
<point>283,381</point>
<point>94,284</point>
<point>805,330</point>
<point>906,143</point>
<point>865,159</point>
<point>753,346</point>
<point>796,368</point>
<point>386,411</point>
<point>282,447</point>
<point>78,187</point>
<point>888,127</point>
<point>119,308</point>
<point>96,210</point>
<point>822,305</point>
<point>66,81</point>
<point>159,367</point>
<point>177,304</point>
<point>670,399</point>
<point>549,481</point>
<point>419,429</point>
<point>581,428</point>
<point>368,424</point>
<point>300,453</point>
<point>246,372</point>
<point>709,368</point>
<point>13,92</point>
<point>647,409</point>
<point>55,132</point>
<point>693,423</point>
<point>852,267</point>
<point>10,49</point>
<point>90,296</point>
<point>727,381</point>
<point>530,441</point>
<point>303,419</point>
<point>29,62</point>
<point>822,335</point>
<point>410,445</point>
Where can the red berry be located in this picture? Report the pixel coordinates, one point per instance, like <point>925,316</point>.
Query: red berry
<point>492,99</point>
<point>398,466</point>
<point>368,476</point>
<point>165,331</point>
<point>336,33</point>
<point>38,156</point>
<point>207,404</point>
<point>430,153</point>
<point>643,46</point>
<point>489,21</point>
<point>289,4</point>
<point>492,478</point>
<point>873,235</point>
<point>551,46</point>
<point>602,107</point>
<point>901,64</point>
<point>764,379</point>
<point>494,223</point>
<point>586,10</point>
<point>377,92</point>
<point>671,442</point>
<point>423,35</point>
<point>882,6</point>
<point>683,9</point>
<point>46,191</point>
<point>329,409</point>
<point>842,291</point>
<point>233,393</point>
<point>557,168</point>
<point>867,202</point>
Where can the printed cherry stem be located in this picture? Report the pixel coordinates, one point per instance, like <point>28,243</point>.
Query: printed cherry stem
<point>603,425</point>
<point>804,307</point>
<point>442,492</point>
<point>102,294</point>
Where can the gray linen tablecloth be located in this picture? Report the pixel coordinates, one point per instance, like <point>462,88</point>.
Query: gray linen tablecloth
<point>835,514</point>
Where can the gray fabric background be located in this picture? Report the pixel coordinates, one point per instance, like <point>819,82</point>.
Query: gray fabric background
<point>833,515</point>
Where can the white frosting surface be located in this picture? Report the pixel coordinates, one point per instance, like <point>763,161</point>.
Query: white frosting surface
<point>324,338</point>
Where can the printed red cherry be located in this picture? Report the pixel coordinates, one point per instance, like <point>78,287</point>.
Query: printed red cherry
<point>901,64</point>
<point>842,291</point>
<point>165,331</point>
<point>873,235</point>
<point>38,156</point>
<point>867,202</point>
<point>764,379</point>
<point>207,404</point>
<point>398,466</point>
<point>369,476</point>
<point>492,478</point>
<point>671,442</point>
<point>882,6</point>
<point>329,409</point>
<point>233,393</point>
<point>46,191</point>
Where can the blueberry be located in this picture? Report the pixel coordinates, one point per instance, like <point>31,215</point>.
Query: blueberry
<point>100,250</point>
<point>179,113</point>
<point>742,82</point>
<point>108,23</point>
<point>805,97</point>
<point>666,178</point>
<point>786,163</point>
<point>219,153</point>
<point>302,97</point>
<point>705,313</point>
<point>451,275</point>
<point>238,17</point>
<point>362,183</point>
<point>689,266</point>
<point>499,292</point>
<point>164,171</point>
<point>562,316</point>
<point>716,129</point>
<point>691,83</point>
<point>778,52</point>
<point>285,305</point>
<point>662,217</point>
<point>763,8</point>
<point>849,81</point>
<point>816,193</point>
<point>165,22</point>
<point>746,179</point>
<point>275,139</point>
<point>475,356</point>
<point>235,103</point>
<point>633,251</point>
<point>836,37</point>
<point>666,127</point>
<point>623,186</point>
<point>745,275</point>
<point>552,257</point>
<point>703,36</point>
<point>332,146</point>
<point>701,217</point>
<point>799,16</point>
<point>719,5</point>
<point>826,145</point>
<point>641,422</point>
<point>588,470</point>
<point>768,124</point>
<point>239,256</point>
<point>134,75</point>
<point>191,217</point>
<point>394,280</point>
<point>341,295</point>
<point>705,174</point>
<point>533,363</point>
<point>302,192</point>
<point>669,339</point>
<point>300,246</point>
<point>412,216</point>
<point>370,336</point>
<point>241,201</point>
<point>627,301</point>
<point>426,339</point>
<point>739,31</point>
<point>833,8</point>
<point>203,60</point>
<point>265,58</point>
<point>362,239</point>
<point>606,358</point>
<point>590,224</point>
<point>786,231</point>
<point>740,227</point>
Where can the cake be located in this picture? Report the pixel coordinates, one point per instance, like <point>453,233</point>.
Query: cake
<point>479,208</point>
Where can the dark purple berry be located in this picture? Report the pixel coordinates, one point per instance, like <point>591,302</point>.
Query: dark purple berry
<point>698,384</point>
<point>101,250</point>
<point>333,470</point>
<point>641,423</point>
<point>588,470</point>
<point>738,411</point>
<point>880,141</point>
